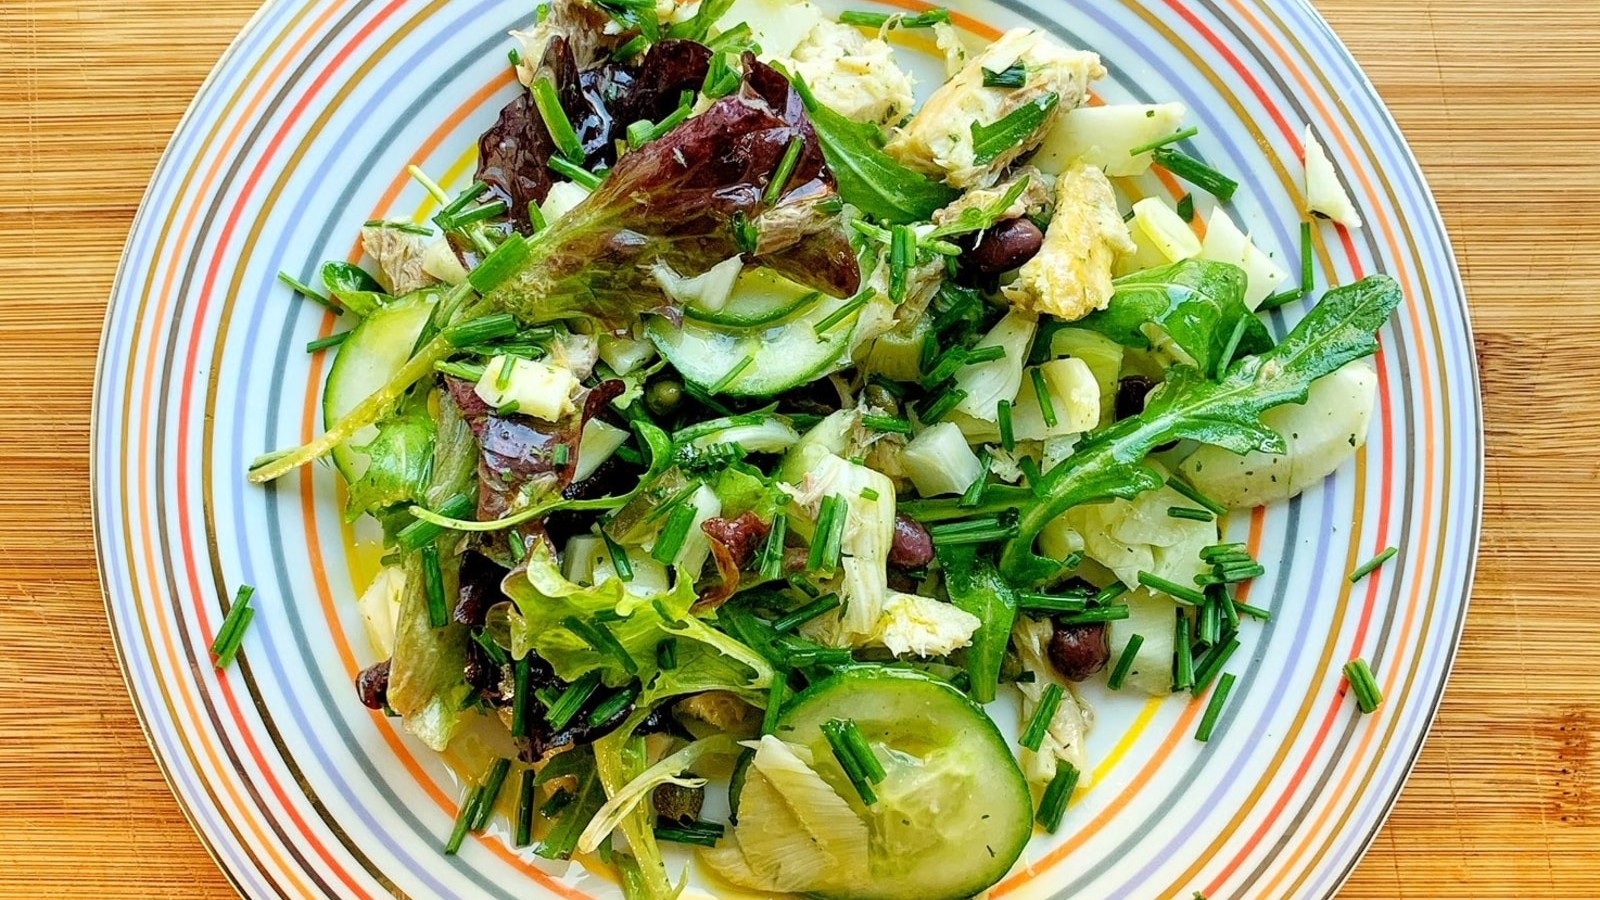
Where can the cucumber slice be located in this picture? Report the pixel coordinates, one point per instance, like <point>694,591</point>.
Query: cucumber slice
<point>760,297</point>
<point>953,812</point>
<point>780,356</point>
<point>367,359</point>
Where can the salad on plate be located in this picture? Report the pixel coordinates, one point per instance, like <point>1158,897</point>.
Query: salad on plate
<point>771,464</point>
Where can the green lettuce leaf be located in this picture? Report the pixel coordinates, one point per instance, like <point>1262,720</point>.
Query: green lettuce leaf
<point>400,460</point>
<point>427,674</point>
<point>1196,302</point>
<point>1226,413</point>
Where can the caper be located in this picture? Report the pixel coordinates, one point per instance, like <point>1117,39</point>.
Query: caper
<point>663,397</point>
<point>881,397</point>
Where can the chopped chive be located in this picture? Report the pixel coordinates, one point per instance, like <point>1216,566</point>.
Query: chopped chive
<point>738,369</point>
<point>514,57</point>
<point>870,495</point>
<point>947,401</point>
<point>309,292</point>
<point>786,166</point>
<point>746,236</point>
<point>1039,725</point>
<point>1232,347</point>
<point>1096,615</point>
<point>460,370</point>
<point>561,455</point>
<point>1186,208</point>
<point>555,119</point>
<point>890,424</point>
<point>620,563</point>
<point>491,793</point>
<point>700,834</point>
<point>926,19</point>
<point>902,256</point>
<point>1190,513</point>
<point>1119,674</point>
<point>777,695</point>
<point>407,227</point>
<point>1047,407</point>
<point>827,510</point>
<point>834,543</point>
<point>1188,490</point>
<point>1279,299</point>
<point>613,706</point>
<point>1183,655</point>
<point>984,354</point>
<point>1363,684</point>
<point>536,217</point>
<point>524,822</point>
<point>1208,630</point>
<point>1030,470</point>
<point>948,364</point>
<point>721,78</point>
<point>420,533</point>
<point>497,654</point>
<point>522,695</point>
<point>499,265</point>
<point>1011,131</point>
<point>1236,573</point>
<point>1254,612</point>
<point>1196,173</point>
<point>1159,142</point>
<point>1215,550</point>
<point>464,817</point>
<point>973,531</point>
<point>324,343</point>
<point>630,49</point>
<point>855,757</point>
<point>575,172</point>
<point>481,330</point>
<point>433,582</point>
<point>1053,803</point>
<point>602,641</point>
<point>1109,593</point>
<point>973,495</point>
<point>478,214</point>
<point>1212,664</point>
<point>772,552</point>
<point>839,315</point>
<point>572,699</point>
<point>673,535</point>
<point>1013,76</point>
<point>1008,435</point>
<point>1219,699</point>
<point>1052,603</point>
<point>804,614</point>
<point>1173,589</point>
<point>1371,565</point>
<point>1230,612</point>
<point>230,635</point>
<point>1308,264</point>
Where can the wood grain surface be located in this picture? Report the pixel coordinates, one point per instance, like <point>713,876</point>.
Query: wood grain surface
<point>1501,102</point>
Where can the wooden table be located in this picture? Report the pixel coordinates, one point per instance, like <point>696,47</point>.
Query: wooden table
<point>1500,100</point>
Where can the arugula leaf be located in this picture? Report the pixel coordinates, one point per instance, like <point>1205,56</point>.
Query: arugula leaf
<point>869,178</point>
<point>587,799</point>
<point>1014,129</point>
<point>976,587</point>
<point>1341,328</point>
<point>1198,303</point>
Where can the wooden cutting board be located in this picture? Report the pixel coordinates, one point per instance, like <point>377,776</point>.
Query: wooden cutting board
<point>1501,102</point>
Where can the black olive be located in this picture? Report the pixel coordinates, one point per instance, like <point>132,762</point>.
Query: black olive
<point>1005,246</point>
<point>372,685</point>
<point>1078,651</point>
<point>912,547</point>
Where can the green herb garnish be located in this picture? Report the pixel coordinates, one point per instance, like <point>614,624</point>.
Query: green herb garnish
<point>850,748</point>
<point>1124,665</point>
<point>1013,76</point>
<point>231,634</point>
<point>1053,804</point>
<point>1011,131</point>
<point>1173,138</point>
<point>1219,699</point>
<point>1363,684</point>
<point>1371,565</point>
<point>1196,173</point>
<point>1039,725</point>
